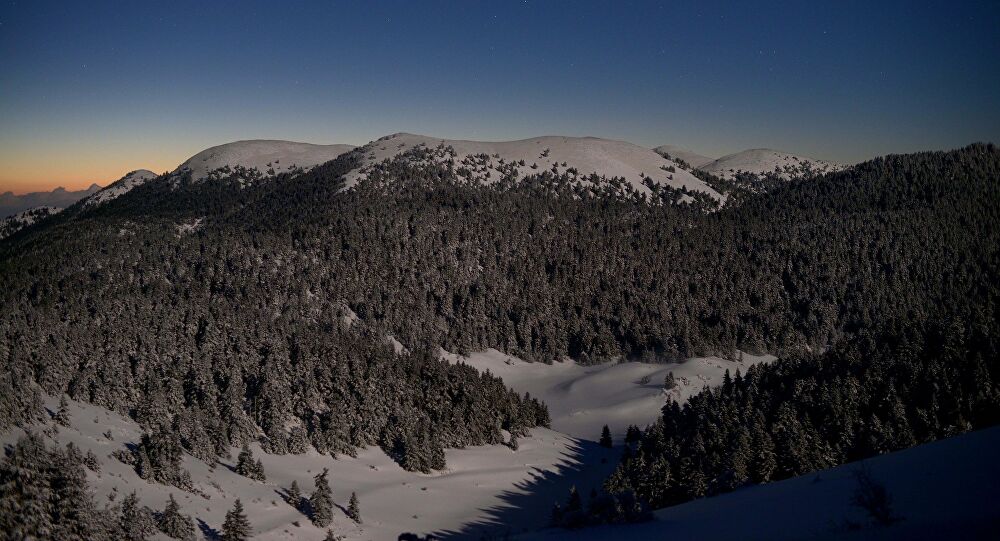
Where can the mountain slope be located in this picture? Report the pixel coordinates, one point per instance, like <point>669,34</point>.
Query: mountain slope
<point>585,154</point>
<point>16,222</point>
<point>692,158</point>
<point>269,157</point>
<point>941,490</point>
<point>120,187</point>
<point>759,161</point>
<point>235,330</point>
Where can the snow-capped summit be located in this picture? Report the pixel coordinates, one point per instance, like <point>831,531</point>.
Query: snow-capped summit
<point>269,157</point>
<point>584,154</point>
<point>120,187</point>
<point>764,160</point>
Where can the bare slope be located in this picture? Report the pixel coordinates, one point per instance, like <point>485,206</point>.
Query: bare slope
<point>269,157</point>
<point>762,160</point>
<point>585,154</point>
<point>692,158</point>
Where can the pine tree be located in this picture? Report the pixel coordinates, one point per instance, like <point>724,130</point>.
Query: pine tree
<point>633,434</point>
<point>669,382</point>
<point>574,503</point>
<point>331,537</point>
<point>143,466</point>
<point>606,440</point>
<point>298,440</point>
<point>353,510</point>
<point>556,518</point>
<point>321,502</point>
<point>61,416</point>
<point>236,527</point>
<point>44,495</point>
<point>136,521</point>
<point>295,495</point>
<point>247,466</point>
<point>174,524</point>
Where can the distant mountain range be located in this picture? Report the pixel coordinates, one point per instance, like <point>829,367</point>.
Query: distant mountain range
<point>11,204</point>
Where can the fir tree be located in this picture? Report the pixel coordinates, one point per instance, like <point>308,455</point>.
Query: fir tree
<point>247,466</point>
<point>44,495</point>
<point>632,434</point>
<point>556,517</point>
<point>236,526</point>
<point>137,522</point>
<point>606,440</point>
<point>61,416</point>
<point>353,510</point>
<point>295,495</point>
<point>669,382</point>
<point>321,502</point>
<point>173,523</point>
<point>573,503</point>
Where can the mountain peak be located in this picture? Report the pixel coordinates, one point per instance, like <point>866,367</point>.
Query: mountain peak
<point>269,156</point>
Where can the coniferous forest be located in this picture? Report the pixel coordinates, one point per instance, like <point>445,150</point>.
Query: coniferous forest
<point>219,313</point>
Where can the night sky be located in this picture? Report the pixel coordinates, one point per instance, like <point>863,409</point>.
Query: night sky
<point>92,89</point>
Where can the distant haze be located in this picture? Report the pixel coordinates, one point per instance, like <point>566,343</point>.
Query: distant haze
<point>11,204</point>
<point>92,90</point>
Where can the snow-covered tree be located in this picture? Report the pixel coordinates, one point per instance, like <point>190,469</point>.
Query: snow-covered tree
<point>321,501</point>
<point>236,526</point>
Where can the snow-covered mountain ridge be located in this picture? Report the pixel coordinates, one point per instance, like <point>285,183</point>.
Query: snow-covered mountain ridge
<point>760,161</point>
<point>487,161</point>
<point>269,157</point>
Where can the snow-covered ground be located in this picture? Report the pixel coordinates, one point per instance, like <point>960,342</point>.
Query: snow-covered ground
<point>692,158</point>
<point>941,490</point>
<point>763,160</point>
<point>120,187</point>
<point>582,399</point>
<point>269,157</point>
<point>586,154</point>
<point>486,490</point>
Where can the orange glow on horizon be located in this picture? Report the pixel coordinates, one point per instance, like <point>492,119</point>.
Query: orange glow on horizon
<point>30,172</point>
<point>79,179</point>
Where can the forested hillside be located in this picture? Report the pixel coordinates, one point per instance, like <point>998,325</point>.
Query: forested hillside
<point>212,336</point>
<point>884,391</point>
<point>259,309</point>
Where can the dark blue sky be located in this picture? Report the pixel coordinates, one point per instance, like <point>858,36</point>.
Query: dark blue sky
<point>91,89</point>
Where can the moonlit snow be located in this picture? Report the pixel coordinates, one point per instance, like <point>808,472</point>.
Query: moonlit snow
<point>585,154</point>
<point>762,160</point>
<point>269,157</point>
